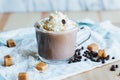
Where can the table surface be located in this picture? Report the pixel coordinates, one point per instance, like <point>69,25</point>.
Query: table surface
<point>10,21</point>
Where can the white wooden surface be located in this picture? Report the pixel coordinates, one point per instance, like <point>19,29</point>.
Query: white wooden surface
<point>60,5</point>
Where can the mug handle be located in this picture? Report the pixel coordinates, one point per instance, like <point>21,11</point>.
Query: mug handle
<point>83,34</point>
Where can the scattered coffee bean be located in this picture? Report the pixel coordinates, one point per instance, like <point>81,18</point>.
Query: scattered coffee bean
<point>77,53</point>
<point>82,48</point>
<point>119,74</point>
<point>74,61</point>
<point>112,68</point>
<point>86,52</point>
<point>113,57</point>
<point>63,21</point>
<point>103,61</point>
<point>38,26</point>
<point>78,60</point>
<point>107,58</point>
<point>94,60</point>
<point>69,62</point>
<point>94,54</point>
<point>98,60</point>
<point>85,59</point>
<point>87,56</point>
<point>116,66</point>
<point>79,57</point>
<point>82,28</point>
<point>91,55</point>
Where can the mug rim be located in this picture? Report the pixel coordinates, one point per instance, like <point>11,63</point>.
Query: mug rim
<point>52,32</point>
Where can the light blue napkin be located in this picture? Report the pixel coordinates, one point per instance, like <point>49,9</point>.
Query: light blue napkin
<point>104,34</point>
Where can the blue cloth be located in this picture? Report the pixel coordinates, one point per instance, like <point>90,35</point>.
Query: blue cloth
<point>104,34</point>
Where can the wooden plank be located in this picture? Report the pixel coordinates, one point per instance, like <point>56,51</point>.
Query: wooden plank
<point>21,20</point>
<point>78,15</point>
<point>100,73</point>
<point>113,16</point>
<point>3,19</point>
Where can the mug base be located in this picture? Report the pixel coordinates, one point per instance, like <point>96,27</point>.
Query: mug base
<point>54,61</point>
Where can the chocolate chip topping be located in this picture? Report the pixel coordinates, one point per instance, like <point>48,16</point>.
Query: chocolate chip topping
<point>63,21</point>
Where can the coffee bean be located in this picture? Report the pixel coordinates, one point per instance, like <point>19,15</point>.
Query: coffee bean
<point>88,56</point>
<point>93,60</point>
<point>94,54</point>
<point>113,57</point>
<point>91,56</point>
<point>112,68</point>
<point>69,62</point>
<point>86,52</point>
<point>98,60</point>
<point>84,55</point>
<point>102,59</point>
<point>107,58</point>
<point>75,55</point>
<point>38,26</point>
<point>79,57</point>
<point>85,59</point>
<point>119,74</point>
<point>78,60</point>
<point>82,28</point>
<point>78,53</point>
<point>116,66</point>
<point>82,48</point>
<point>76,50</point>
<point>63,21</point>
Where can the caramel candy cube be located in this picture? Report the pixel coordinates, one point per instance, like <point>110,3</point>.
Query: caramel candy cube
<point>23,76</point>
<point>11,43</point>
<point>7,60</point>
<point>41,66</point>
<point>104,54</point>
<point>100,53</point>
<point>93,47</point>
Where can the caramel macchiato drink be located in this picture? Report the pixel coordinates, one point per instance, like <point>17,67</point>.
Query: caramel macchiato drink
<point>56,37</point>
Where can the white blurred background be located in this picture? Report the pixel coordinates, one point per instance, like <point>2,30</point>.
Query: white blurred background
<point>61,5</point>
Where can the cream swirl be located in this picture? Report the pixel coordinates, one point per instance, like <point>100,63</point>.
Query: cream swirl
<point>56,22</point>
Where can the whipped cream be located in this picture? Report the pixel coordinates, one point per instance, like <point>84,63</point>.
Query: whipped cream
<point>56,22</point>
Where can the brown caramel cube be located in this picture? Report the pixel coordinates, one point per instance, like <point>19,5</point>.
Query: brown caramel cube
<point>93,47</point>
<point>8,60</point>
<point>104,54</point>
<point>23,76</point>
<point>41,66</point>
<point>11,43</point>
<point>100,53</point>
